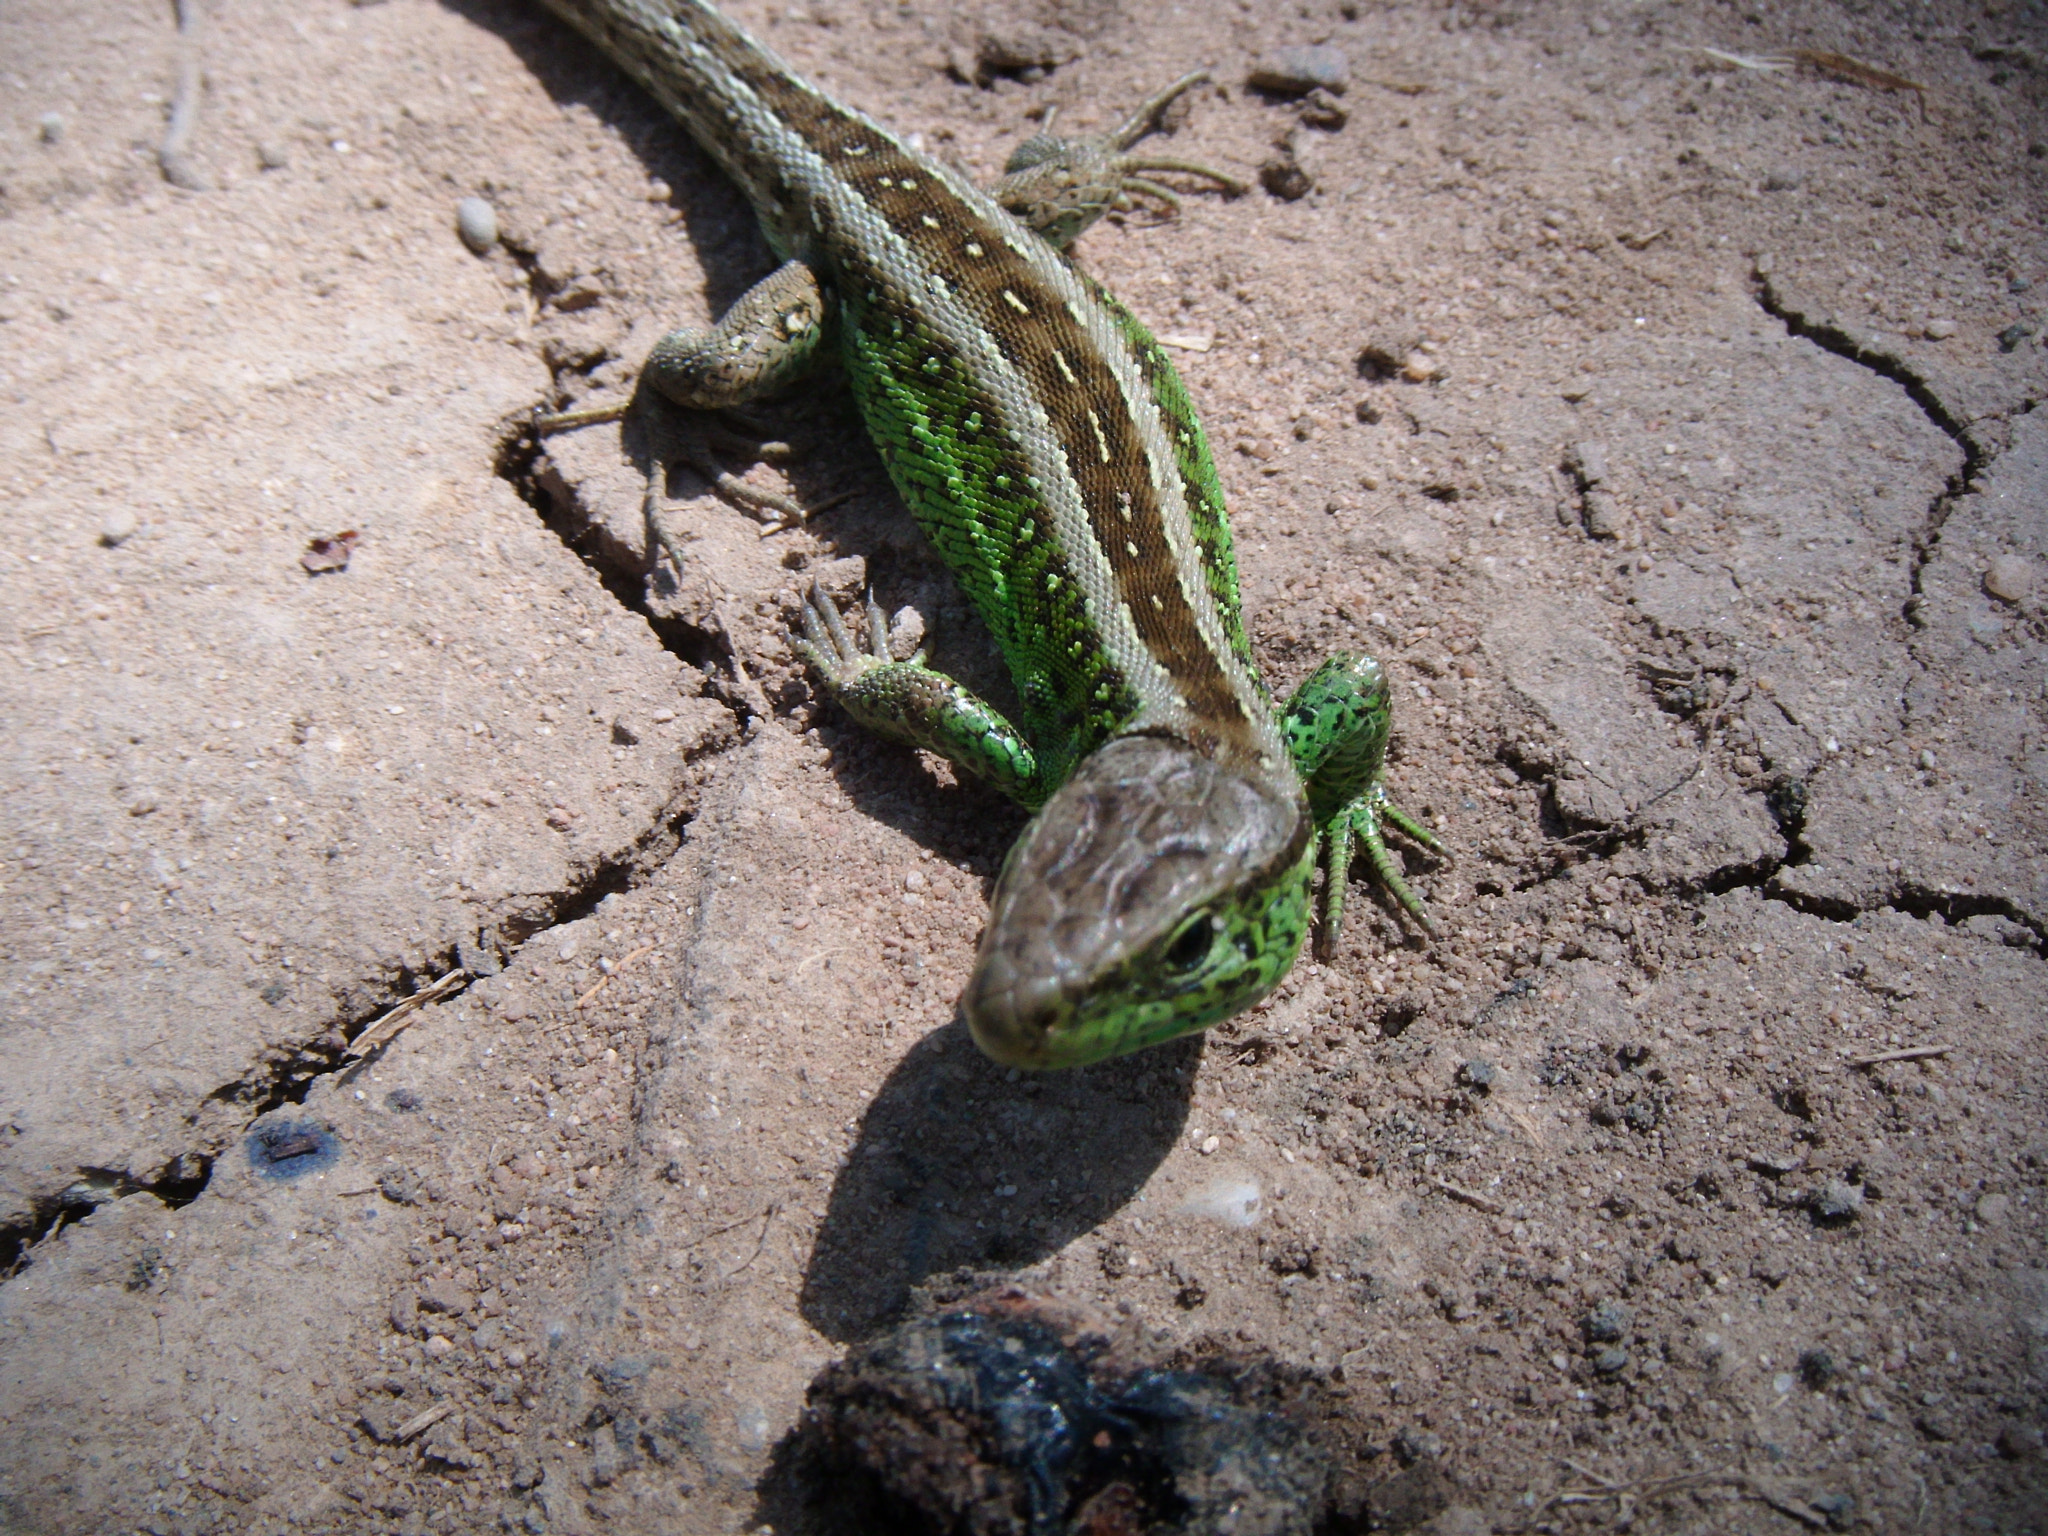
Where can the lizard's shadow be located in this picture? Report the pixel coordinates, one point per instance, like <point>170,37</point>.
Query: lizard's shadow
<point>962,1164</point>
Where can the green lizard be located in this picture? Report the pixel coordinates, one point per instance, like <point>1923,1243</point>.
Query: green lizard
<point>1050,452</point>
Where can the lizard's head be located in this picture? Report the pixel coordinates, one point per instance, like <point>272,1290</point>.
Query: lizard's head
<point>1156,893</point>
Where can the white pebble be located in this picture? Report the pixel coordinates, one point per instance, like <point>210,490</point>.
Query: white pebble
<point>2010,579</point>
<point>50,128</point>
<point>477,222</point>
<point>1235,1202</point>
<point>119,527</point>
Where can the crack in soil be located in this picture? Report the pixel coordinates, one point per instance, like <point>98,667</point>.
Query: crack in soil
<point>288,1073</point>
<point>1831,337</point>
<point>1788,809</point>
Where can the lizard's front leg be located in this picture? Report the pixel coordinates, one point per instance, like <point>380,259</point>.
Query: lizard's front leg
<point>764,342</point>
<point>1336,727</point>
<point>911,703</point>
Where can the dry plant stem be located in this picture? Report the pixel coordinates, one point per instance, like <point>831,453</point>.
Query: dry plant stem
<point>1478,1202</point>
<point>1904,1053</point>
<point>606,980</point>
<point>423,1420</point>
<point>385,1028</point>
<point>1841,67</point>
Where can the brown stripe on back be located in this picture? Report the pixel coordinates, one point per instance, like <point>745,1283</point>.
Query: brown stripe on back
<point>1104,453</point>
<point>1037,333</point>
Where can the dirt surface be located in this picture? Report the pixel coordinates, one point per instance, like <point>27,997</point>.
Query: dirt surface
<point>1668,424</point>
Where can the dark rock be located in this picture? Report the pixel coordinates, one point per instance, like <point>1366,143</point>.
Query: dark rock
<point>1413,1445</point>
<point>1816,1368</point>
<point>1013,1414</point>
<point>2019,1442</point>
<point>401,1186</point>
<point>291,1149</point>
<point>1285,179</point>
<point>1608,1323</point>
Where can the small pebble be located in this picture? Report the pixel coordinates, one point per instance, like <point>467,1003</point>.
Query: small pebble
<point>119,528</point>
<point>1297,71</point>
<point>50,128</point>
<point>272,156</point>
<point>568,950</point>
<point>1607,1323</point>
<point>2009,578</point>
<point>2018,1442</point>
<point>1420,368</point>
<point>1479,1075</point>
<point>1285,179</point>
<point>1938,330</point>
<point>477,222</point>
<point>1322,110</point>
<point>1992,1209</point>
<point>1837,1201</point>
<point>1413,1445</point>
<point>1782,1383</point>
<point>1611,1362</point>
<point>437,1346</point>
<point>1816,1368</point>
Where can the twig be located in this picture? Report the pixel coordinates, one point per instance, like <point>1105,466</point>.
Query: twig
<point>1907,1053</point>
<point>171,155</point>
<point>606,979</point>
<point>767,1221</point>
<point>423,1420</point>
<point>1478,1202</point>
<point>824,954</point>
<point>1606,1489</point>
<point>1747,61</point>
<point>383,1030</point>
<point>730,1226</point>
<point>1840,66</point>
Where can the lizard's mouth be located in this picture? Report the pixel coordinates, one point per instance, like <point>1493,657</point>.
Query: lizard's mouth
<point>1156,893</point>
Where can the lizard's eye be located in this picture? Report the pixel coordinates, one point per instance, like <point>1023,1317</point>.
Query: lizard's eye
<point>1190,947</point>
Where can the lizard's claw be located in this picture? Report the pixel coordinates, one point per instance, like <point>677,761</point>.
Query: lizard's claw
<point>827,646</point>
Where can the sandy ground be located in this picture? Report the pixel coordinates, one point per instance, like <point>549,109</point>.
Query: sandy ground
<point>1671,428</point>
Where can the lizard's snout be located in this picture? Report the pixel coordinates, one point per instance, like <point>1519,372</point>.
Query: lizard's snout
<point>1012,1013</point>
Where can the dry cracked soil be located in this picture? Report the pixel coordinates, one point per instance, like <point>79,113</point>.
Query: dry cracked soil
<point>1652,384</point>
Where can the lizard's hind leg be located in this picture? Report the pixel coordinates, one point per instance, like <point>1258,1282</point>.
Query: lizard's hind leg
<point>1059,185</point>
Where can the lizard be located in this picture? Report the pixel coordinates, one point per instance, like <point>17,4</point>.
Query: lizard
<point>1051,454</point>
